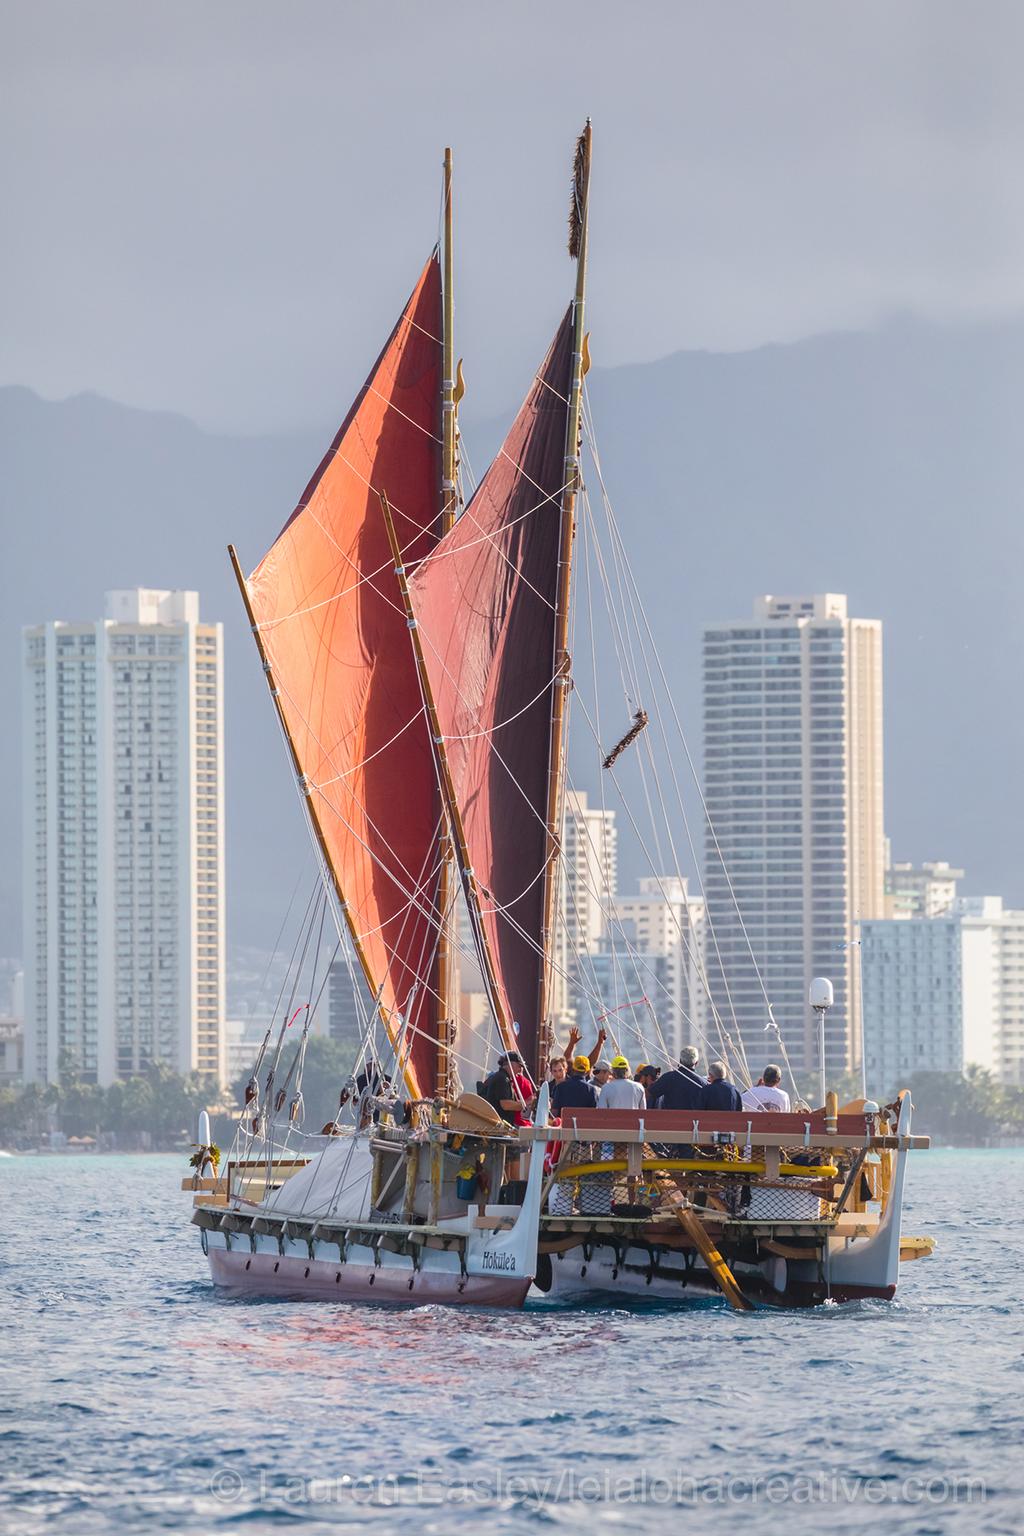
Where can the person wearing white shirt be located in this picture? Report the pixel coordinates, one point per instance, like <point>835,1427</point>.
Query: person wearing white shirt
<point>767,1094</point>
<point>621,1092</point>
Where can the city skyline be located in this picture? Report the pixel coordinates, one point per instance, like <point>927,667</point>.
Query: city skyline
<point>590,842</point>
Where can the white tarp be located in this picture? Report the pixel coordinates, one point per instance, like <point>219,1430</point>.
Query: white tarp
<point>335,1183</point>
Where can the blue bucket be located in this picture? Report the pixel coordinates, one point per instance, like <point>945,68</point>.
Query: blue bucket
<point>465,1184</point>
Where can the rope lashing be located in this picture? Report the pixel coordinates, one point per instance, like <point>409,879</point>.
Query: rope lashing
<point>639,723</point>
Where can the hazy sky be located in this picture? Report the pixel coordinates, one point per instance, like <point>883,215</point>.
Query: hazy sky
<point>218,206</point>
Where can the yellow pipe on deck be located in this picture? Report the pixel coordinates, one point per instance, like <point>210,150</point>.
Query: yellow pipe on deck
<point>696,1165</point>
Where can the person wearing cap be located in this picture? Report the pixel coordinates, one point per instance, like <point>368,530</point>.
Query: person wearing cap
<point>509,1090</point>
<point>577,1092</point>
<point>681,1088</point>
<point>621,1091</point>
<point>600,1072</point>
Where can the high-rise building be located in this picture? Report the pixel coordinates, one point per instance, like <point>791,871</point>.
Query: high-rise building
<point>993,966</point>
<point>349,1005</point>
<point>926,892</point>
<point>944,993</point>
<point>242,1041</point>
<point>586,894</point>
<point>666,920</point>
<point>12,1053</point>
<point>590,870</point>
<point>124,841</point>
<point>913,1000</point>
<point>794,848</point>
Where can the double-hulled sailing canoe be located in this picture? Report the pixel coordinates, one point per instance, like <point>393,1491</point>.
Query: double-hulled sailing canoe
<point>416,653</point>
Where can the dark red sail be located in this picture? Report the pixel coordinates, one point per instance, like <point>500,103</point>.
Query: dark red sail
<point>485,602</point>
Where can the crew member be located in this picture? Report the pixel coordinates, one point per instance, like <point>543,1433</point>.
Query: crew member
<point>600,1073</point>
<point>720,1094</point>
<point>647,1076</point>
<point>681,1088</point>
<point>577,1092</point>
<point>767,1092</point>
<point>509,1090</point>
<point>621,1092</point>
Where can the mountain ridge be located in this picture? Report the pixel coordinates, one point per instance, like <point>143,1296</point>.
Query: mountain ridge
<point>882,464</point>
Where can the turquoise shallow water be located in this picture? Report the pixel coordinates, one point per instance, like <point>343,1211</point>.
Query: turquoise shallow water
<point>133,1398</point>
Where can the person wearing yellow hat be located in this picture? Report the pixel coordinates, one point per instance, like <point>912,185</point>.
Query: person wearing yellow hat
<point>621,1092</point>
<point>576,1092</point>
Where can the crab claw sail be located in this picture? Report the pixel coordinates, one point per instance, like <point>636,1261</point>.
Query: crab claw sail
<point>336,646</point>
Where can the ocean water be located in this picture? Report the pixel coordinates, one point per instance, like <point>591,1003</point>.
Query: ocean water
<point>135,1398</point>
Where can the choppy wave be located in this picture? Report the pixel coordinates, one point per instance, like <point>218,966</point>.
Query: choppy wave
<point>135,1398</point>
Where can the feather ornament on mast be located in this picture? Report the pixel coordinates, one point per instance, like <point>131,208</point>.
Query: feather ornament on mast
<point>580,184</point>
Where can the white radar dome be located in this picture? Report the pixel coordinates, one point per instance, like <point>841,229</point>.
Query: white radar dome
<point>821,992</point>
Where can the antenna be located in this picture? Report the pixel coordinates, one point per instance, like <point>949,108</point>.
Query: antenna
<point>821,999</point>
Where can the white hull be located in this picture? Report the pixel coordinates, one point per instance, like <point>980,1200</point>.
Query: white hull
<point>273,1249</point>
<point>438,1279</point>
<point>853,1269</point>
<point>775,1282</point>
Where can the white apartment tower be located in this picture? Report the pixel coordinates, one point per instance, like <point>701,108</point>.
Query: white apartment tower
<point>993,975</point>
<point>793,780</point>
<point>590,870</point>
<point>943,993</point>
<point>124,841</point>
<point>586,892</point>
<point>667,920</point>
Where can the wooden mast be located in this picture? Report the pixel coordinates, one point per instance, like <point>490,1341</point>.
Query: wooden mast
<point>472,889</point>
<point>314,817</point>
<point>578,223</point>
<point>447,1001</point>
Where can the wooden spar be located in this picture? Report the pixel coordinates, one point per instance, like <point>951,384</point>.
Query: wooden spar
<point>412,1168</point>
<point>718,1268</point>
<point>444,1084</point>
<point>571,480</point>
<point>448,486</point>
<point>851,1179</point>
<point>314,817</point>
<point>436,1180</point>
<point>455,815</point>
<point>705,1245</point>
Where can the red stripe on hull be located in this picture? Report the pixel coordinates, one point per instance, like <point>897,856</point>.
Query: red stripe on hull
<point>261,1274</point>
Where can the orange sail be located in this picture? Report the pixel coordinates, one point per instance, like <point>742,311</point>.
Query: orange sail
<point>485,606</point>
<point>336,640</point>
